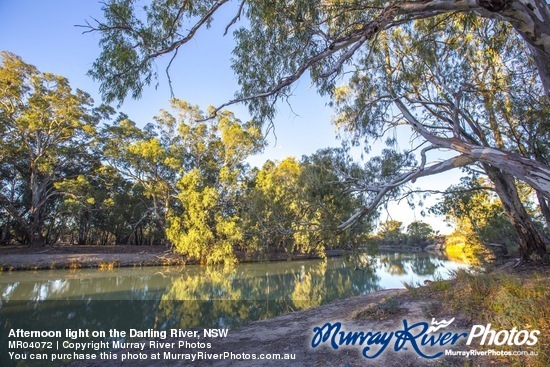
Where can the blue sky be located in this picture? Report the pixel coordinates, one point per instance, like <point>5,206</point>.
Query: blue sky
<point>43,33</point>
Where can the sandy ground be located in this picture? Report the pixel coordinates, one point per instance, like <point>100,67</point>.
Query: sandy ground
<point>293,332</point>
<point>71,257</point>
<point>63,257</point>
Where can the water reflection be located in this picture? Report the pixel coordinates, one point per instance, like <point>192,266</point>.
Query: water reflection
<point>194,296</point>
<point>305,283</point>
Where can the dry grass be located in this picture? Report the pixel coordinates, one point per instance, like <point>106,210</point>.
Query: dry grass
<point>108,265</point>
<point>504,300</point>
<point>386,309</point>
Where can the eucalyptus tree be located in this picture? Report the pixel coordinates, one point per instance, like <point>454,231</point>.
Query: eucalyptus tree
<point>206,225</point>
<point>475,91</point>
<point>329,196</point>
<point>281,42</point>
<point>149,159</point>
<point>45,132</point>
<point>297,205</point>
<point>420,233</point>
<point>391,232</point>
<point>275,209</point>
<point>104,207</point>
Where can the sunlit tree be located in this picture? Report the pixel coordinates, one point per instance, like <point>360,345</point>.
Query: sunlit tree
<point>420,63</point>
<point>45,132</point>
<point>207,226</point>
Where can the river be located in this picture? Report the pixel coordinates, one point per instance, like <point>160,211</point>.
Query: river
<point>197,297</point>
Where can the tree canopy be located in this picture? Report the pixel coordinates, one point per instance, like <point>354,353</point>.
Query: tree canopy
<point>471,76</point>
<point>43,126</point>
<point>182,180</point>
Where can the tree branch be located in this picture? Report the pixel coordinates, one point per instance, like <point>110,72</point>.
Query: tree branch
<point>536,174</point>
<point>421,171</point>
<point>235,18</point>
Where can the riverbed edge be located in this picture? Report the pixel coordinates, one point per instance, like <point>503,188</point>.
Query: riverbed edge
<point>106,261</point>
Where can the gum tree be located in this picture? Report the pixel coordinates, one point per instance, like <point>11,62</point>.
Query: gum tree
<point>206,224</point>
<point>45,130</point>
<point>475,91</point>
<point>280,42</point>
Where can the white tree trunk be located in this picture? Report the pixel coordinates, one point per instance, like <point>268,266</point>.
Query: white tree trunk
<point>536,174</point>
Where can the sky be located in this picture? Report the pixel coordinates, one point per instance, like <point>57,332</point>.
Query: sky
<point>45,34</point>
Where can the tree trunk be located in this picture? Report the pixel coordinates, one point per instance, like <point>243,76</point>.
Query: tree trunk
<point>531,240</point>
<point>34,231</point>
<point>545,210</point>
<point>534,173</point>
<point>35,237</point>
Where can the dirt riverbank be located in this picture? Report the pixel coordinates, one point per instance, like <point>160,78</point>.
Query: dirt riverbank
<point>74,257</point>
<point>292,334</point>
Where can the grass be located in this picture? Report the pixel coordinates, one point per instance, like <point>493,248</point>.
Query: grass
<point>383,310</point>
<point>110,265</point>
<point>504,300</point>
<point>74,265</point>
<point>432,309</point>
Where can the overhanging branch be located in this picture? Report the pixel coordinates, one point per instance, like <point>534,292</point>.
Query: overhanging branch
<point>536,174</point>
<point>421,171</point>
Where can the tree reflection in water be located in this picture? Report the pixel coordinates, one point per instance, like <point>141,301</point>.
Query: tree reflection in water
<point>193,296</point>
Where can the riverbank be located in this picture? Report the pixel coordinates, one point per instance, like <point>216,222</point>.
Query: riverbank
<point>13,258</point>
<point>505,298</point>
<point>76,257</point>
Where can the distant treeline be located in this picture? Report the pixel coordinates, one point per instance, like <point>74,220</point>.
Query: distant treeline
<point>418,235</point>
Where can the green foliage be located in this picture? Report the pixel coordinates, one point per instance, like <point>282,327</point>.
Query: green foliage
<point>297,206</point>
<point>208,226</point>
<point>461,80</point>
<point>419,233</point>
<point>183,180</point>
<point>147,158</point>
<point>391,229</point>
<point>453,75</point>
<point>155,27</point>
<point>475,210</point>
<point>275,206</point>
<point>45,137</point>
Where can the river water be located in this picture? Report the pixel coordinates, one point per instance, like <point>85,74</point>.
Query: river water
<point>307,282</point>
<point>199,297</point>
